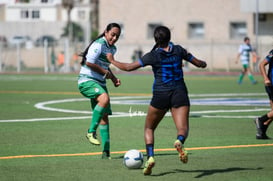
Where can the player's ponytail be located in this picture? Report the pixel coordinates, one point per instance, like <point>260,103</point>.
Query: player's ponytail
<point>154,47</point>
<point>84,53</point>
<point>162,36</point>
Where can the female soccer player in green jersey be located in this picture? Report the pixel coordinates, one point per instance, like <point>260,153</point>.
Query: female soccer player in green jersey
<point>92,84</point>
<point>244,55</point>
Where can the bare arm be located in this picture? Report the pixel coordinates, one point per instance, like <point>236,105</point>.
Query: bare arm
<point>107,73</point>
<point>114,79</point>
<point>263,72</point>
<point>237,58</point>
<point>123,66</point>
<point>96,68</point>
<point>199,63</point>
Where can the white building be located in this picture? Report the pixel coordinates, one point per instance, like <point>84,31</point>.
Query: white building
<point>38,17</point>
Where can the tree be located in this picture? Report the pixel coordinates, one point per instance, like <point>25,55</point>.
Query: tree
<point>94,18</point>
<point>77,33</point>
<point>69,5</point>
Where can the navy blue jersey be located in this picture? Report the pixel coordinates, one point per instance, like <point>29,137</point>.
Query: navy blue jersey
<point>167,67</point>
<point>269,58</point>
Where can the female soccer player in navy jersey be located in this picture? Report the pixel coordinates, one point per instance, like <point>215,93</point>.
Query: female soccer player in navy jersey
<point>264,121</point>
<point>169,90</point>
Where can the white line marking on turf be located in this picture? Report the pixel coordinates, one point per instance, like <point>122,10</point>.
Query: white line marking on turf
<point>133,101</point>
<point>42,105</point>
<point>144,100</point>
<point>229,111</point>
<point>228,95</point>
<point>120,114</point>
<point>57,118</point>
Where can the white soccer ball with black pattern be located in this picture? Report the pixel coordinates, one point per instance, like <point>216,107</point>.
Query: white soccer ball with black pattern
<point>133,159</point>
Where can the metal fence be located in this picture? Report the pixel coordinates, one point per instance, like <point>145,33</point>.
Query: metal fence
<point>63,58</point>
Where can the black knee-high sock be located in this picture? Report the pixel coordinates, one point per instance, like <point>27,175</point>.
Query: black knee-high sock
<point>263,118</point>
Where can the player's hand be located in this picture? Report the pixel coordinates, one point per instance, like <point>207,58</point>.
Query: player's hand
<point>267,82</point>
<point>117,82</point>
<point>110,57</point>
<point>108,75</point>
<point>202,64</point>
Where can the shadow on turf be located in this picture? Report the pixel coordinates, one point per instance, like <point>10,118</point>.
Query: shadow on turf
<point>204,173</point>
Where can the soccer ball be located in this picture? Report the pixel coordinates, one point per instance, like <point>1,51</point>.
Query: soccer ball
<point>133,159</point>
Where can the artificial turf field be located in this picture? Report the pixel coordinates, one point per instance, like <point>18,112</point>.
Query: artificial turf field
<point>44,119</point>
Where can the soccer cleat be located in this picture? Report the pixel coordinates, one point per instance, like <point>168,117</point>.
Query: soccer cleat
<point>254,82</point>
<point>182,153</point>
<point>259,127</point>
<point>239,82</point>
<point>106,155</point>
<point>92,137</point>
<point>262,137</point>
<point>150,163</point>
<point>261,130</point>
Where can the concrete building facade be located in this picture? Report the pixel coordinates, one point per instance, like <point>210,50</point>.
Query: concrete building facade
<point>210,29</point>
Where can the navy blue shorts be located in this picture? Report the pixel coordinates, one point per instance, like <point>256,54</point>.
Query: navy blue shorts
<point>170,99</point>
<point>269,91</point>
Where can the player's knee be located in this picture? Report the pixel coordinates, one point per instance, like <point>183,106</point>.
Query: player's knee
<point>104,99</point>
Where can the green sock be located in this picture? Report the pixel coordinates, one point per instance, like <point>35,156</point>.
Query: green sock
<point>251,78</point>
<point>105,137</point>
<point>96,117</point>
<point>241,78</point>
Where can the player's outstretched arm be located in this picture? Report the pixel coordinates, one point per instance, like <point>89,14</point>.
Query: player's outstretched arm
<point>199,63</point>
<point>123,66</point>
<point>262,66</point>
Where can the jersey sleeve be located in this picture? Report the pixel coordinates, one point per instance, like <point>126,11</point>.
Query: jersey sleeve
<point>269,57</point>
<point>186,55</point>
<point>147,59</point>
<point>93,53</point>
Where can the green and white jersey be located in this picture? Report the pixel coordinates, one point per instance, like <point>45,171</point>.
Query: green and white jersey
<point>244,51</point>
<point>96,55</point>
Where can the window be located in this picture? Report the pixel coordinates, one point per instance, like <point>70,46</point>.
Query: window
<point>196,30</point>
<point>238,30</point>
<point>24,14</point>
<point>22,1</point>
<point>44,1</point>
<point>151,28</point>
<point>262,17</point>
<point>35,14</point>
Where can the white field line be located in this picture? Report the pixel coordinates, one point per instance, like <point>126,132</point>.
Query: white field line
<point>137,100</point>
<point>228,95</point>
<point>134,114</point>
